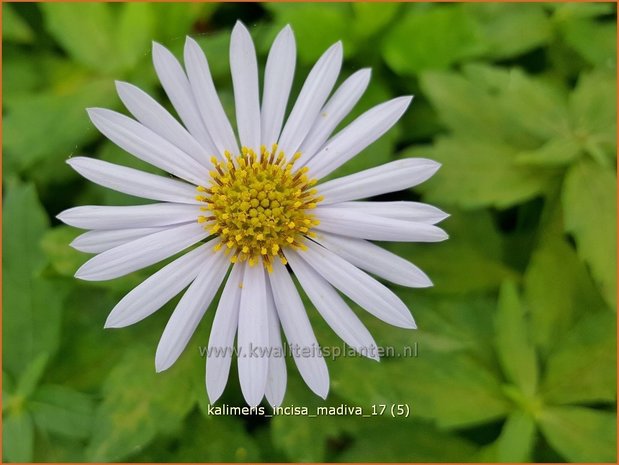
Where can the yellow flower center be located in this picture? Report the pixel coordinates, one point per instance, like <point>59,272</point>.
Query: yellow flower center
<point>258,205</point>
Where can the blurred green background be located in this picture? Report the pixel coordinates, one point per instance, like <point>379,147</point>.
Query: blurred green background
<point>517,340</point>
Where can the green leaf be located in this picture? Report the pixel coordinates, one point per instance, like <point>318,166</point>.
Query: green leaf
<point>556,152</point>
<point>558,289</point>
<point>14,28</point>
<point>513,341</point>
<point>537,106</point>
<point>175,20</point>
<point>595,41</point>
<point>392,440</point>
<point>88,352</point>
<point>305,439</point>
<point>469,261</point>
<point>24,223</point>
<point>581,434</point>
<point>58,449</point>
<point>228,442</point>
<point>590,208</point>
<point>483,103</point>
<point>62,410</point>
<point>426,383</point>
<point>430,389</point>
<point>434,376</point>
<point>450,324</point>
<point>517,438</point>
<point>39,72</point>
<point>8,389</point>
<point>62,257</point>
<point>21,74</point>
<point>566,11</point>
<point>85,31</point>
<point>320,27</point>
<point>51,125</point>
<point>466,105</point>
<point>135,32</point>
<point>138,404</point>
<point>431,38</point>
<point>32,305</point>
<point>480,173</point>
<point>17,437</point>
<point>594,116</point>
<point>502,24</point>
<point>583,365</point>
<point>369,18</point>
<point>31,376</point>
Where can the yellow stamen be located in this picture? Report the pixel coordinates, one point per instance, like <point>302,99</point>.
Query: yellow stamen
<point>259,205</point>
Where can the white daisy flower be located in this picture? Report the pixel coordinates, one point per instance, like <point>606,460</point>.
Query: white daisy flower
<point>254,206</point>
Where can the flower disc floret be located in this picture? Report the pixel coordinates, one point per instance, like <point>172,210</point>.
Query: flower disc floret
<point>258,205</point>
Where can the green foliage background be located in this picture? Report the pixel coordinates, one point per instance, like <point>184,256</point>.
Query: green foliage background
<point>517,340</point>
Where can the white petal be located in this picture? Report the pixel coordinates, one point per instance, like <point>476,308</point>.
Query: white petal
<point>140,141</point>
<point>375,259</point>
<point>156,118</point>
<point>333,308</point>
<point>356,136</point>
<point>390,177</point>
<point>278,76</point>
<point>158,289</point>
<point>334,111</point>
<point>253,335</point>
<point>134,182</point>
<point>398,210</point>
<point>357,285</point>
<point>299,331</point>
<point>141,253</point>
<point>312,97</point>
<point>176,85</point>
<point>221,340</point>
<point>102,240</point>
<point>191,308</point>
<point>356,223</point>
<point>244,69</point>
<point>208,102</point>
<point>138,216</point>
<point>276,378</point>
